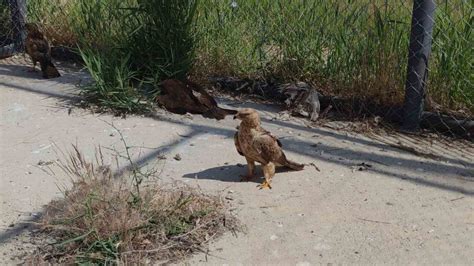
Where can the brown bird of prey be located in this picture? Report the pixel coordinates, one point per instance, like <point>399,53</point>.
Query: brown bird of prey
<point>187,97</point>
<point>37,47</point>
<point>258,145</point>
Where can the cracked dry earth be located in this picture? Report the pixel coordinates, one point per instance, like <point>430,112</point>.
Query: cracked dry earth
<point>370,204</point>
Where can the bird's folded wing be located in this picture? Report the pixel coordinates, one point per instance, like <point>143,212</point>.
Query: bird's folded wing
<point>267,146</point>
<point>266,132</point>
<point>237,143</point>
<point>39,45</point>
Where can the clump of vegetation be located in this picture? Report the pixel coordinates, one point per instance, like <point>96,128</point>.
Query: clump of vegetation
<point>127,46</point>
<point>132,47</point>
<point>106,219</point>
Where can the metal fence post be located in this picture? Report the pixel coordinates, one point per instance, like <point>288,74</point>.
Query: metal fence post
<point>419,51</point>
<point>18,15</point>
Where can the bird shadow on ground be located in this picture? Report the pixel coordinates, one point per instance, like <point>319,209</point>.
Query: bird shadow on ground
<point>231,173</point>
<point>21,68</point>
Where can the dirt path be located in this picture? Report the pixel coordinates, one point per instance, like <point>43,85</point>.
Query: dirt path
<point>403,209</point>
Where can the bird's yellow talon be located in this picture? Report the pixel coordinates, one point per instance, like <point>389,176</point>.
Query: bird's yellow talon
<point>265,184</point>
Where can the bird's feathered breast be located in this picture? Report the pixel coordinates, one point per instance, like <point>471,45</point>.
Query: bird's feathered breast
<point>37,47</point>
<point>259,144</point>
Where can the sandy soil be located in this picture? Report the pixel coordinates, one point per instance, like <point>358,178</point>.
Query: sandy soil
<point>403,209</point>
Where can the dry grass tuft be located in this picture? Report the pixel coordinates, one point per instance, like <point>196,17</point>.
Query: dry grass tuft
<point>101,220</point>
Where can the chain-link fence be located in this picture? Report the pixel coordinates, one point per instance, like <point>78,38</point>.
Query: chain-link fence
<point>409,62</point>
<point>12,21</point>
<point>443,52</point>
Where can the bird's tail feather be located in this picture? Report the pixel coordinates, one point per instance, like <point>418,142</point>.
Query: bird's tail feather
<point>293,165</point>
<point>218,113</point>
<point>48,68</point>
<point>229,111</point>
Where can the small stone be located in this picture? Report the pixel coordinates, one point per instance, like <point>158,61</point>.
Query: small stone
<point>273,237</point>
<point>111,134</point>
<point>177,157</point>
<point>43,163</point>
<point>11,225</point>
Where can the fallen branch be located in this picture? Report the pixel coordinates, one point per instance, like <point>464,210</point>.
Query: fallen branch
<point>457,199</point>
<point>314,165</point>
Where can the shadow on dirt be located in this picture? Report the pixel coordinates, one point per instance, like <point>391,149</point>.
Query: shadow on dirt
<point>19,228</point>
<point>455,178</point>
<point>231,173</point>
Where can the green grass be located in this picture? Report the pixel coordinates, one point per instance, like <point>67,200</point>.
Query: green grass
<point>350,49</point>
<point>356,49</point>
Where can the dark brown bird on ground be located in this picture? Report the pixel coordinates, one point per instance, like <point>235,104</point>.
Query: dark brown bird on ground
<point>188,97</point>
<point>258,145</point>
<point>37,47</point>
